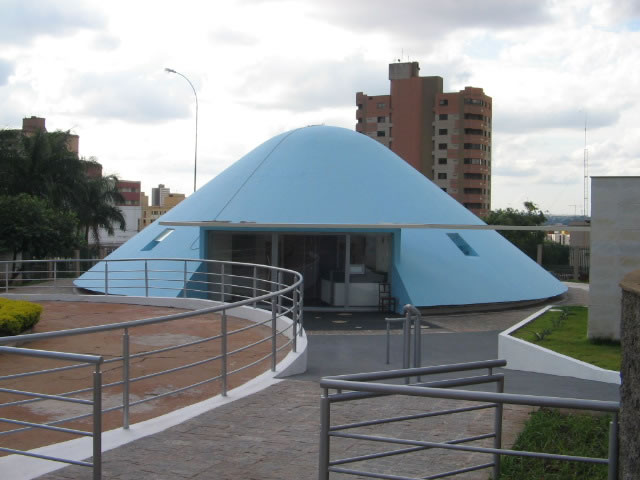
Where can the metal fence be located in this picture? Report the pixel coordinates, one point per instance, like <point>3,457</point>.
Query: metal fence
<point>369,385</point>
<point>275,292</point>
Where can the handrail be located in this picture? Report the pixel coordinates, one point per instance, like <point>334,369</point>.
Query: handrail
<point>277,296</point>
<point>367,385</point>
<point>95,403</point>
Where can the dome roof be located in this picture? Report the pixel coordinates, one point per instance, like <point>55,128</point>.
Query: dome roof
<point>330,175</point>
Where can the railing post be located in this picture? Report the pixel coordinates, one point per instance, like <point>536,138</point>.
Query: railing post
<point>497,427</point>
<point>613,448</point>
<point>273,333</point>
<point>294,315</point>
<point>279,287</point>
<point>6,277</point>
<point>97,423</point>
<point>406,354</point>
<point>106,278</point>
<point>146,279</point>
<point>325,418</point>
<point>388,342</point>
<point>255,286</point>
<point>301,309</point>
<point>417,342</point>
<point>184,283</point>
<point>223,332</point>
<point>55,273</point>
<point>125,379</point>
<point>222,282</point>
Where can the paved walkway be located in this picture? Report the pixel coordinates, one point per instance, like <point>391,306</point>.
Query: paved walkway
<point>274,434</point>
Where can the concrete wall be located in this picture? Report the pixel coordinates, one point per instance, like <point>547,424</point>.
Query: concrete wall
<point>615,249</point>
<point>630,371</point>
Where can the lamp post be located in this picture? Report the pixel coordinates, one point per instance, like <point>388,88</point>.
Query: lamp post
<point>195,159</point>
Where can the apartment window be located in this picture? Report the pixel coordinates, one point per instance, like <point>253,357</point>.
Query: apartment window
<point>380,133</point>
<point>442,161</point>
<point>359,106</point>
<point>473,205</point>
<point>381,105</point>
<point>473,176</point>
<point>473,146</point>
<point>474,131</point>
<point>442,146</point>
<point>442,176</point>
<point>474,161</point>
<point>473,191</point>
<point>444,189</point>
<point>443,116</point>
<point>444,101</point>
<point>360,120</point>
<point>473,116</point>
<point>443,131</point>
<point>472,101</point>
<point>382,119</point>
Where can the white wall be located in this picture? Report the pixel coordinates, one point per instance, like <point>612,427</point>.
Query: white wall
<point>131,215</point>
<point>615,249</point>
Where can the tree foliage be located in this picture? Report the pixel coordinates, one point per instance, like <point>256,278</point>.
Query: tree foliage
<point>531,215</point>
<point>59,203</point>
<point>30,225</point>
<point>97,207</point>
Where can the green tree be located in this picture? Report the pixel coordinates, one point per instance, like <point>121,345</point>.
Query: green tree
<point>29,225</point>
<point>96,207</point>
<point>40,165</point>
<point>527,241</point>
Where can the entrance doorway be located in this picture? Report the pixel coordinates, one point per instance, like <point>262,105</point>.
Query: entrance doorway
<point>340,270</point>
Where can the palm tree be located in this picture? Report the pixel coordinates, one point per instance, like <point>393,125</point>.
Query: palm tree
<point>96,207</point>
<point>40,165</point>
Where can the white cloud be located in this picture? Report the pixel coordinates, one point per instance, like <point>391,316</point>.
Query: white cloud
<point>264,66</point>
<point>21,22</point>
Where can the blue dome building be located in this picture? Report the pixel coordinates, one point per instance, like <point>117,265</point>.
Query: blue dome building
<point>353,218</point>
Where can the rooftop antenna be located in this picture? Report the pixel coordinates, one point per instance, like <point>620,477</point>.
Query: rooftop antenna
<point>586,170</point>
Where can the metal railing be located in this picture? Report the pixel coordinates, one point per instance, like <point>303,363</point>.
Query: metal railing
<point>274,293</point>
<point>368,385</point>
<point>95,404</point>
<point>412,320</point>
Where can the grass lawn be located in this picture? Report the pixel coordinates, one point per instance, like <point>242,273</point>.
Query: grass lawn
<point>568,336</point>
<point>549,431</point>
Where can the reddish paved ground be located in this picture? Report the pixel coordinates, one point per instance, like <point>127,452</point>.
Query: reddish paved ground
<point>65,315</point>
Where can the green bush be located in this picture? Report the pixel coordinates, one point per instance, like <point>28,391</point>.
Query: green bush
<point>16,316</point>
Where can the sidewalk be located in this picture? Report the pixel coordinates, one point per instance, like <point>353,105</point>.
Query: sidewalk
<point>273,434</point>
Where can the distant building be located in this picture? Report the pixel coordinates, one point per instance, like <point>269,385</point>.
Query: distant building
<point>159,194</point>
<point>150,213</point>
<point>31,125</point>
<point>444,135</point>
<point>131,210</point>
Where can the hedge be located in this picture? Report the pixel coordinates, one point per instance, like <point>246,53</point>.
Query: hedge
<point>16,316</point>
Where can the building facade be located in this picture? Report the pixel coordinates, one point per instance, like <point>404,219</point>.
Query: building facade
<point>166,201</point>
<point>444,135</point>
<point>354,245</point>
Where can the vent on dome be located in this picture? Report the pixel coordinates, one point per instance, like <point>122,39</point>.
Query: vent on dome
<point>462,244</point>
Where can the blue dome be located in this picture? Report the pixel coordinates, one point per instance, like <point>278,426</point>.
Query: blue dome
<point>329,175</point>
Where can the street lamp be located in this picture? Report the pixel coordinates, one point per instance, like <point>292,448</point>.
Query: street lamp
<point>195,160</point>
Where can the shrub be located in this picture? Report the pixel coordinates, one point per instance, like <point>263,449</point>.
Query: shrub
<point>16,316</point>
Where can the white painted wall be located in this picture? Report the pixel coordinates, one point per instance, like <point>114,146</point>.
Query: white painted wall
<point>132,216</point>
<point>615,249</point>
<point>529,357</point>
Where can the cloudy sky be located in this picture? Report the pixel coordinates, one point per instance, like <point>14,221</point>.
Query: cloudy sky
<point>261,67</point>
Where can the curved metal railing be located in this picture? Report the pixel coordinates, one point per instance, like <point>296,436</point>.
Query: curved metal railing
<point>274,296</point>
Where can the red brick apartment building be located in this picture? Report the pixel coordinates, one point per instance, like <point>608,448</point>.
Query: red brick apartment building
<point>445,136</point>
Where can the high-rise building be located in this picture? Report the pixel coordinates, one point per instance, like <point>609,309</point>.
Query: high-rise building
<point>159,194</point>
<point>444,135</point>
